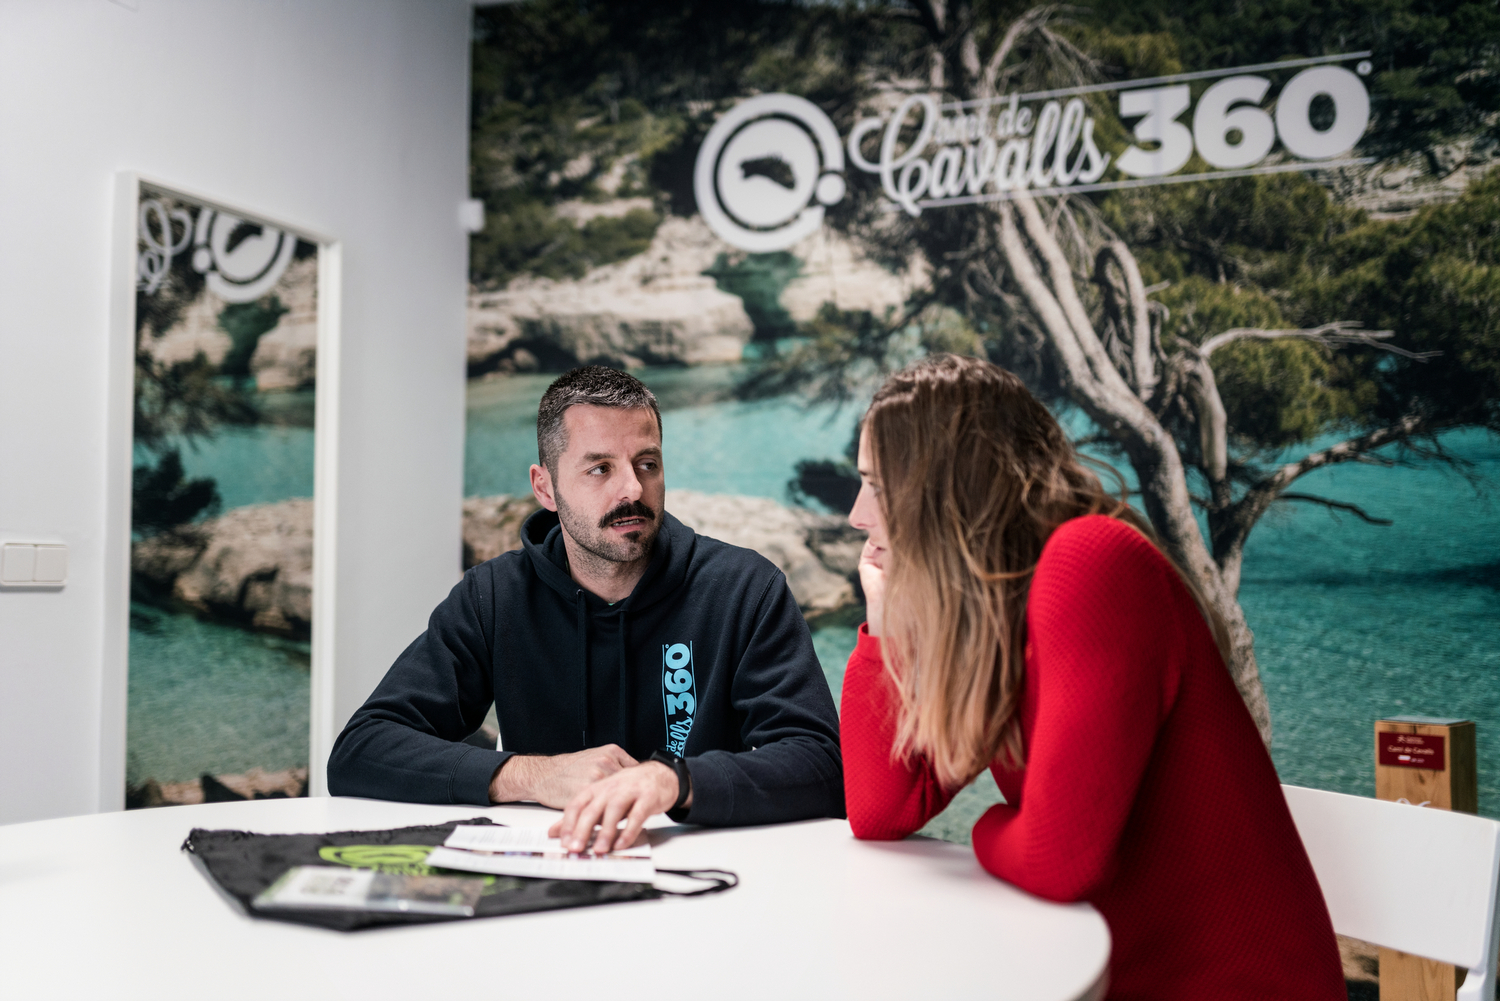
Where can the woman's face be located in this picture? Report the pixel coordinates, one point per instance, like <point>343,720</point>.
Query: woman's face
<point>866,515</point>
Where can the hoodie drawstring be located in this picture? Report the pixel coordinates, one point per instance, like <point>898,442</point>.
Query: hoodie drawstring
<point>583,666</point>
<point>624,686</point>
<point>583,660</point>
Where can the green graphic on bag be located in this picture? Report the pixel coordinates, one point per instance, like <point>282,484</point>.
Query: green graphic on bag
<point>402,860</point>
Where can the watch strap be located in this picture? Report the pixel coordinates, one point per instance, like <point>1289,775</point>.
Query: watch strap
<point>679,765</point>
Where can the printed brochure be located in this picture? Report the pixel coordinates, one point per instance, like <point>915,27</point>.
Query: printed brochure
<point>520,851</point>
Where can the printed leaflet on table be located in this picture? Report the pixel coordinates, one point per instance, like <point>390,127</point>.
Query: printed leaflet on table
<point>519,851</point>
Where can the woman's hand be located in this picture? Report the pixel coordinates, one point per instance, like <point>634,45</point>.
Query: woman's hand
<point>872,563</point>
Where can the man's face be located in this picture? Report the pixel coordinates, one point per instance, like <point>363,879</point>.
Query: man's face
<point>608,488</point>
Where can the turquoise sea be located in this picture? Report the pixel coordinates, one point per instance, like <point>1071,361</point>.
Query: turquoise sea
<point>710,443</point>
<point>206,697</point>
<point>1352,621</point>
<point>1355,621</point>
<point>209,697</point>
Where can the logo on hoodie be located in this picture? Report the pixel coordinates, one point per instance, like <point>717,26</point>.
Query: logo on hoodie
<point>679,693</point>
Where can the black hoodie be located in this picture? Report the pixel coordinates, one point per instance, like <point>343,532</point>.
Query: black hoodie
<point>708,656</point>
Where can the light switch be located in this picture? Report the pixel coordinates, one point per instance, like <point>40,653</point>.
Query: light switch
<point>51,565</point>
<point>17,563</point>
<point>29,564</point>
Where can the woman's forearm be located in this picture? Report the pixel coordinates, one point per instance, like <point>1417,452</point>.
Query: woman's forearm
<point>886,799</point>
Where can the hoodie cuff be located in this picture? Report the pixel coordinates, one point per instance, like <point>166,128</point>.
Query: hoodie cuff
<point>713,795</point>
<point>470,780</point>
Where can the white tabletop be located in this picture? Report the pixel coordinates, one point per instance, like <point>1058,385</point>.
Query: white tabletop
<point>106,906</point>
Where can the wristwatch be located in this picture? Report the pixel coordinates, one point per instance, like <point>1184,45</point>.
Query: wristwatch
<point>678,764</point>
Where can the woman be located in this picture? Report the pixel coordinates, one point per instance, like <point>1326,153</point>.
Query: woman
<point>1021,618</point>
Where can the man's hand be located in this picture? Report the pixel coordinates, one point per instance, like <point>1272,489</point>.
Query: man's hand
<point>556,779</point>
<point>630,795</point>
<point>872,563</point>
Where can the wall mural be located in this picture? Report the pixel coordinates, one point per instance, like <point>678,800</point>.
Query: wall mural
<point>1251,261</point>
<point>221,506</point>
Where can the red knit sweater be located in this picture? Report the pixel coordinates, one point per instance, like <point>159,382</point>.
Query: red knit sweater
<point>1146,789</point>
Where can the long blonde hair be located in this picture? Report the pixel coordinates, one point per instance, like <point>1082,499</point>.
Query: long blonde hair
<point>975,474</point>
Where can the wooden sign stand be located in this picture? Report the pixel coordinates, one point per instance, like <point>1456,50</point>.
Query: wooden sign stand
<point>1430,763</point>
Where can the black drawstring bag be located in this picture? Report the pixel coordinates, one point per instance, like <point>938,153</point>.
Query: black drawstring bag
<point>241,865</point>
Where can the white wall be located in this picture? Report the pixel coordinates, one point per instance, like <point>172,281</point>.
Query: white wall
<point>348,117</point>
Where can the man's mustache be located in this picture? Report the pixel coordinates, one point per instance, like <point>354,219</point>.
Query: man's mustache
<point>635,509</point>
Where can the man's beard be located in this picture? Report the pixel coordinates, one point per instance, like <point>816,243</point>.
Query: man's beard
<point>597,540</point>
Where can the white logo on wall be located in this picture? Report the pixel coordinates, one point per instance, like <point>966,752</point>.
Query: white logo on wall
<point>932,155</point>
<point>240,259</point>
<point>735,178</point>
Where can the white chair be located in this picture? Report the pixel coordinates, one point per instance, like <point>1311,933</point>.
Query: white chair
<point>1418,880</point>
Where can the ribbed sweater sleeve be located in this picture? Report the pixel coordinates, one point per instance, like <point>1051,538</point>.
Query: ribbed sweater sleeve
<point>1099,670</point>
<point>1105,652</point>
<point>886,799</point>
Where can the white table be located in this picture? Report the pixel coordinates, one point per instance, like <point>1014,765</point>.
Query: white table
<point>106,906</point>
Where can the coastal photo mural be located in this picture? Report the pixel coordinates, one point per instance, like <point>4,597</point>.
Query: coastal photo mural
<point>221,506</point>
<point>1274,240</point>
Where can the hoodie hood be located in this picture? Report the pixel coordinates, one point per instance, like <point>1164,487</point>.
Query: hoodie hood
<point>671,552</point>
<point>541,538</point>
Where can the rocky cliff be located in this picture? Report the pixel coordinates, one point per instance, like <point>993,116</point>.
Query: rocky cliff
<point>813,550</point>
<point>285,356</point>
<point>253,565</point>
<point>492,525</point>
<point>655,308</point>
<point>664,306</point>
<point>254,784</point>
<point>818,553</point>
<point>1399,186</point>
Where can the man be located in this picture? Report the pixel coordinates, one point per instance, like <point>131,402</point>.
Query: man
<point>615,634</point>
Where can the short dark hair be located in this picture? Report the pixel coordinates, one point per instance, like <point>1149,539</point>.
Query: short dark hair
<point>591,385</point>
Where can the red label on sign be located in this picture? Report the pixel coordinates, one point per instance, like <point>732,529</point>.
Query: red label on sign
<point>1411,750</point>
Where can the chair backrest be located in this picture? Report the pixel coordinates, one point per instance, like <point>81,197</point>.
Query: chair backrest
<point>1409,878</point>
